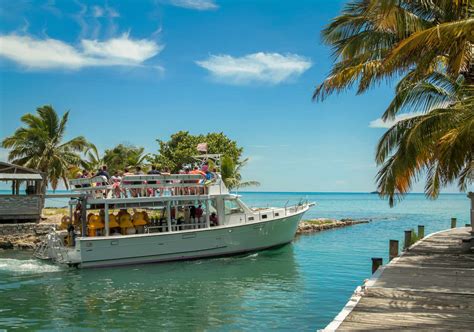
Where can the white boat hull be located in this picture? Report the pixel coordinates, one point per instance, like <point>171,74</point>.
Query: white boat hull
<point>184,245</point>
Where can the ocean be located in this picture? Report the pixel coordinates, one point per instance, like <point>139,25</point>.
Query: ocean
<point>300,286</point>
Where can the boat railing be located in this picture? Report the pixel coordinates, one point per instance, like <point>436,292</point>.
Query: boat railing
<point>162,181</point>
<point>143,185</point>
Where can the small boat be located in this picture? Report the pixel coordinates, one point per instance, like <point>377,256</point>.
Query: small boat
<point>173,217</point>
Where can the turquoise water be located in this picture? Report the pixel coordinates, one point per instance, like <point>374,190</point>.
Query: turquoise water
<point>301,286</point>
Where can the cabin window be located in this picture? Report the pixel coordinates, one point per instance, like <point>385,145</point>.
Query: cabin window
<point>277,214</point>
<point>264,216</point>
<point>250,218</point>
<point>232,207</point>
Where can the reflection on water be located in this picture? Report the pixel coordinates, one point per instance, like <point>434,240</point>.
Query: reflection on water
<point>205,293</point>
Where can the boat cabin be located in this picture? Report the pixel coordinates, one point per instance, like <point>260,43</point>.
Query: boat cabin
<point>24,199</point>
<point>142,204</point>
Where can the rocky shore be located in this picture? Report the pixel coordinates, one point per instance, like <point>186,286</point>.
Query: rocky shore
<point>23,236</point>
<point>322,224</point>
<point>29,235</point>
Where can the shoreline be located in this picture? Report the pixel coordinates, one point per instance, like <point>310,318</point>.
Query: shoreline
<point>27,236</point>
<point>311,226</point>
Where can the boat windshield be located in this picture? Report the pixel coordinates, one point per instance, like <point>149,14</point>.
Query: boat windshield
<point>232,207</point>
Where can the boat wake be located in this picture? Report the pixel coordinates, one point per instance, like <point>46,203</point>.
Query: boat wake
<point>26,266</point>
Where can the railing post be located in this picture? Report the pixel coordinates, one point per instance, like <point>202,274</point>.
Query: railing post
<point>471,196</point>
<point>408,235</point>
<point>106,219</point>
<point>208,220</point>
<point>83,201</point>
<point>168,216</point>
<point>376,263</point>
<point>393,249</point>
<point>453,222</point>
<point>421,231</point>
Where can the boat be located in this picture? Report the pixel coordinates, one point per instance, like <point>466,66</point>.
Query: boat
<point>163,218</point>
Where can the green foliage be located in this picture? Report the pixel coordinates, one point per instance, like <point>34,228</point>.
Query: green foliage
<point>438,142</point>
<point>40,145</point>
<point>122,156</point>
<point>230,172</point>
<point>93,161</point>
<point>429,44</point>
<point>180,148</point>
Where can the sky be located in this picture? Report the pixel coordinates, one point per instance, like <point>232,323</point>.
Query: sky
<point>136,71</point>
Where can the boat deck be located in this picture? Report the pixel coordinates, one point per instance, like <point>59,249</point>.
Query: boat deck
<point>429,287</point>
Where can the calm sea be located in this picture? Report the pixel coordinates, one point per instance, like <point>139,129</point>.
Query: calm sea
<point>301,286</point>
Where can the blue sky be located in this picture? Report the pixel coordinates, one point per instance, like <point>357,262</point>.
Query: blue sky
<point>134,71</point>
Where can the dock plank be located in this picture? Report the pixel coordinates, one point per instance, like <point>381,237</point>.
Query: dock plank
<point>431,287</point>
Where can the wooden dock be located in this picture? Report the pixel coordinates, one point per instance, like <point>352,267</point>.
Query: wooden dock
<point>429,287</point>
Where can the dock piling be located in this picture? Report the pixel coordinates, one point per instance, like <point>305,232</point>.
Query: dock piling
<point>408,235</point>
<point>393,249</point>
<point>453,222</point>
<point>421,231</point>
<point>376,263</point>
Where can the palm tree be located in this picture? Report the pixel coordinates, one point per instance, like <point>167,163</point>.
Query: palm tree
<point>375,40</point>
<point>93,159</point>
<point>137,158</point>
<point>438,141</point>
<point>429,44</point>
<point>40,145</point>
<point>230,172</point>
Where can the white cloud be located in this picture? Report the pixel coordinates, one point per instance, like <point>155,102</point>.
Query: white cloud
<point>195,4</point>
<point>122,48</point>
<point>271,68</point>
<point>379,123</point>
<point>52,53</point>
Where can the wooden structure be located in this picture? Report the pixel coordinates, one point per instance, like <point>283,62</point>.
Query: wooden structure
<point>430,287</point>
<point>26,200</point>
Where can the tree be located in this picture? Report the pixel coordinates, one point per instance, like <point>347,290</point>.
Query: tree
<point>181,148</point>
<point>230,172</point>
<point>122,156</point>
<point>93,159</point>
<point>438,141</point>
<point>429,44</point>
<point>40,145</point>
<point>374,40</point>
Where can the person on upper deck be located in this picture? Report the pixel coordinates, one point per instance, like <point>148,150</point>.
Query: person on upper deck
<point>153,171</point>
<point>127,173</point>
<point>103,172</point>
<point>85,175</point>
<point>138,192</point>
<point>116,179</point>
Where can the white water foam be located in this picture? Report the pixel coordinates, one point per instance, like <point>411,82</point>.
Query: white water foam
<point>26,266</point>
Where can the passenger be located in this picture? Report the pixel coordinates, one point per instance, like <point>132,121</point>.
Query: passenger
<point>213,219</point>
<point>85,175</point>
<point>127,173</point>
<point>153,171</point>
<point>192,213</point>
<point>116,179</point>
<point>199,190</point>
<point>103,172</point>
<point>199,213</point>
<point>166,191</point>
